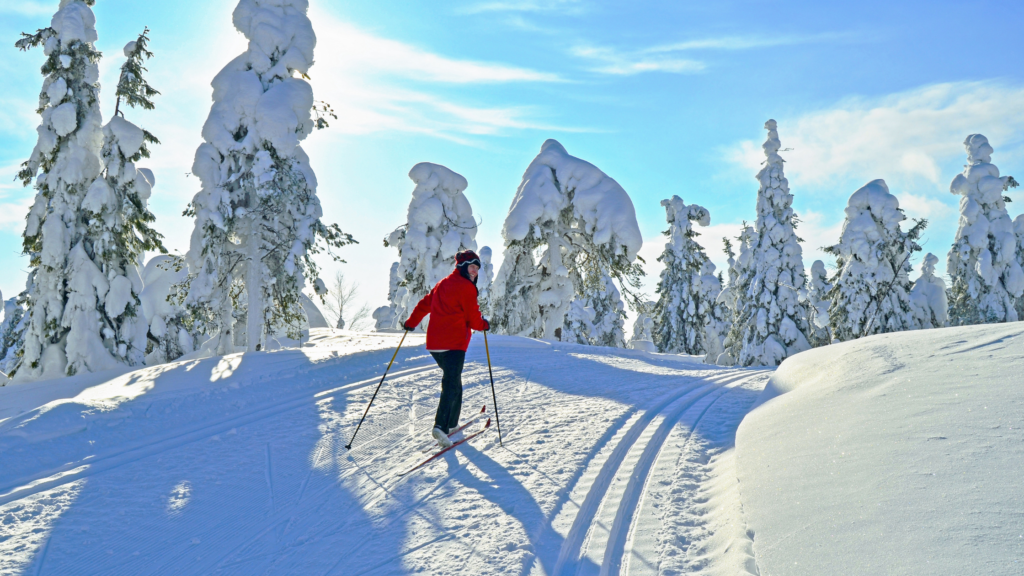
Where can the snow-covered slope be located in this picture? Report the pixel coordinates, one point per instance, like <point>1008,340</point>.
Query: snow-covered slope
<point>236,465</point>
<point>894,454</point>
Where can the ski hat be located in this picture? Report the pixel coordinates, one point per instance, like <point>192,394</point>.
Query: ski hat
<point>466,257</point>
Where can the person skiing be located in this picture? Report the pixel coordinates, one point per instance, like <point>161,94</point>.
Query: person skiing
<point>454,313</point>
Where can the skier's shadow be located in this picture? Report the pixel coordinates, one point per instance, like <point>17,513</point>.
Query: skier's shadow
<point>506,492</point>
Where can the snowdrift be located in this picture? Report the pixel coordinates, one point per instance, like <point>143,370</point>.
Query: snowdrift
<point>894,454</point>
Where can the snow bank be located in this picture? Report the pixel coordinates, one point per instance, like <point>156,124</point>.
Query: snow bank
<point>893,454</point>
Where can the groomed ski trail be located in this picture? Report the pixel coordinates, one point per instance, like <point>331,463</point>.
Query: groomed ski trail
<point>252,477</point>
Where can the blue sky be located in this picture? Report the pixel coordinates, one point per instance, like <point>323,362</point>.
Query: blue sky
<point>665,97</point>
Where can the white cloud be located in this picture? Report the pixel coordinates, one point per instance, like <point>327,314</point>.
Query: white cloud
<point>610,61</point>
<point>356,51</point>
<point>745,42</point>
<point>903,138</point>
<point>660,58</point>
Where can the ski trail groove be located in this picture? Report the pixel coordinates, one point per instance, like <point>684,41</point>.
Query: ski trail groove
<point>620,556</point>
<point>619,499</point>
<point>572,545</point>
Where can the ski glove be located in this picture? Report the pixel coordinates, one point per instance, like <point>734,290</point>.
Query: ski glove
<point>407,327</point>
<point>488,324</point>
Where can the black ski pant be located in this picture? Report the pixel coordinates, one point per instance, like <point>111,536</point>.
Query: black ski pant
<point>450,406</point>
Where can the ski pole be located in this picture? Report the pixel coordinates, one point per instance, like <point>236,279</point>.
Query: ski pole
<point>367,411</point>
<point>494,395</point>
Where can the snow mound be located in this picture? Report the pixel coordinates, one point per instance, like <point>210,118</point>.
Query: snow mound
<point>893,454</point>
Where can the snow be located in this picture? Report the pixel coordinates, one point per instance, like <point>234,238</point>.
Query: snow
<point>63,119</point>
<point>74,21</point>
<point>128,136</point>
<point>893,454</point>
<point>236,465</point>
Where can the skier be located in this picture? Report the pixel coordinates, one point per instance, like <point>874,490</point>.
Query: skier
<point>454,312</point>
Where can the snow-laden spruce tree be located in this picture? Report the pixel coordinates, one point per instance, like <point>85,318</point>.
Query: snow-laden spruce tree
<point>643,326</point>
<point>257,217</point>
<point>118,230</point>
<point>818,301</point>
<point>439,224</point>
<point>928,304</point>
<point>771,322</point>
<point>604,299</point>
<point>685,298</point>
<point>986,279</point>
<point>172,332</point>
<point>583,226</point>
<point>64,162</point>
<point>484,280</point>
<point>734,295</point>
<point>719,315</point>
<point>871,288</point>
<point>9,332</point>
<point>1018,229</point>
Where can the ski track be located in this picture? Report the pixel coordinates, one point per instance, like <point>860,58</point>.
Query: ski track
<point>571,492</point>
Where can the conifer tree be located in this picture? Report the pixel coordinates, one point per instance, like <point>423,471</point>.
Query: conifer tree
<point>719,317</point>
<point>986,278</point>
<point>771,322</point>
<point>583,225</point>
<point>734,297</point>
<point>485,280</point>
<point>643,328</point>
<point>64,162</point>
<point>871,289</point>
<point>928,304</point>
<point>118,231</point>
<point>818,288</point>
<point>685,298</point>
<point>439,224</point>
<point>257,217</point>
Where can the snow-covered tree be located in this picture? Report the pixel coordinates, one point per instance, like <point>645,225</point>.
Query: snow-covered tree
<point>686,298</point>
<point>583,226</point>
<point>986,278</point>
<point>818,301</point>
<point>643,326</point>
<point>64,162</point>
<point>1018,229</point>
<point>734,295</point>
<point>928,304</point>
<point>871,288</point>
<point>719,315</point>
<point>579,323</point>
<point>9,345</point>
<point>386,317</point>
<point>257,217</point>
<point>118,232</point>
<point>439,224</point>
<point>609,313</point>
<point>172,332</point>
<point>485,280</point>
<point>514,292</point>
<point>771,322</point>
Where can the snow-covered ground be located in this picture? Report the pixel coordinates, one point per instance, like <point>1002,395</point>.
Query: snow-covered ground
<point>614,462</point>
<point>895,454</point>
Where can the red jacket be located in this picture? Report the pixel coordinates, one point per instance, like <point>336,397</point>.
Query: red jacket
<point>453,310</point>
